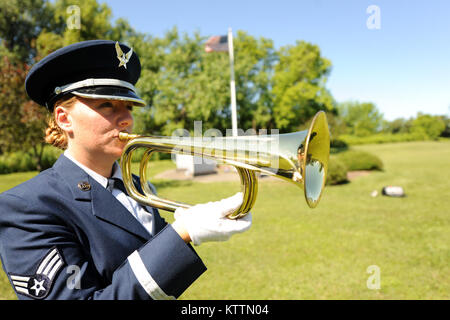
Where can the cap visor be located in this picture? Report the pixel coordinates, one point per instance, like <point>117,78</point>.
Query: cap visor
<point>110,93</point>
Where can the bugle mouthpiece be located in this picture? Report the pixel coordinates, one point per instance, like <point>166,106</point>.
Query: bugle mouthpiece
<point>123,136</point>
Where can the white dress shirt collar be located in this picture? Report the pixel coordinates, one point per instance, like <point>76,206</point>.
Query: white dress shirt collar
<point>97,177</point>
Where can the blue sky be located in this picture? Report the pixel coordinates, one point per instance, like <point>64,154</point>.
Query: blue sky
<point>403,67</point>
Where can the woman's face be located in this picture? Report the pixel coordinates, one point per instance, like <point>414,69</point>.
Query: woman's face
<point>95,126</point>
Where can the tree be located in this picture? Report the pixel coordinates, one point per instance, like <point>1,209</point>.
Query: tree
<point>299,85</point>
<point>29,30</point>
<point>175,83</point>
<point>95,23</point>
<point>361,119</point>
<point>151,53</point>
<point>254,63</point>
<point>21,21</point>
<point>399,125</point>
<point>183,83</point>
<point>446,132</point>
<point>428,125</point>
<point>21,120</point>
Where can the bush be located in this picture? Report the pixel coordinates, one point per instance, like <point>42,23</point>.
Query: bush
<point>446,132</point>
<point>360,160</point>
<point>49,156</point>
<point>337,172</point>
<point>16,162</point>
<point>384,138</point>
<point>337,145</point>
<point>430,126</point>
<point>21,161</point>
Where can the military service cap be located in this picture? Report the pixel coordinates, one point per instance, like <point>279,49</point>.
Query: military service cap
<point>97,69</point>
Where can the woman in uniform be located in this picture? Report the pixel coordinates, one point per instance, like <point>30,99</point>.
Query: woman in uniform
<point>72,232</point>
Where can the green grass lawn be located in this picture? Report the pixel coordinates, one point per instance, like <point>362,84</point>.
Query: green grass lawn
<point>293,252</point>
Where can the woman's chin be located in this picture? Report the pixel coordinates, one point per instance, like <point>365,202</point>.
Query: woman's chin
<point>113,153</point>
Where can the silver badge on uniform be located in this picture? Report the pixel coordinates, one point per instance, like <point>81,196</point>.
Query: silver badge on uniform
<point>38,285</point>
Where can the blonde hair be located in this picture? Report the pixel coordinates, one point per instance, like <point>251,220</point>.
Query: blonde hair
<point>54,135</point>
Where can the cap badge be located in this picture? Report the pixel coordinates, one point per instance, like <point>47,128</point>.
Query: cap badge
<point>123,58</point>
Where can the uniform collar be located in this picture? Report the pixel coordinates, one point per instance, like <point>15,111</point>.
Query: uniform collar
<point>104,206</point>
<point>76,179</point>
<point>103,181</point>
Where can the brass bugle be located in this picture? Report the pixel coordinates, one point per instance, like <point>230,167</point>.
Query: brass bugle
<point>298,157</point>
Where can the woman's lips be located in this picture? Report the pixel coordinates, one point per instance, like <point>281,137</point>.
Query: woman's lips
<point>124,131</point>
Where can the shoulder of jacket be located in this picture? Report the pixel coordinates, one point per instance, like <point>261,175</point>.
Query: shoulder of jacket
<point>33,185</point>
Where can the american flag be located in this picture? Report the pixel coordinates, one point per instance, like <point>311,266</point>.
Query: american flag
<point>217,44</point>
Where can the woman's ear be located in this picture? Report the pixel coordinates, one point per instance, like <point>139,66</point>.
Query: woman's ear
<point>62,118</point>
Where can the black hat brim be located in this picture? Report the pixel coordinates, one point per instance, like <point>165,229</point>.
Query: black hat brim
<point>110,93</point>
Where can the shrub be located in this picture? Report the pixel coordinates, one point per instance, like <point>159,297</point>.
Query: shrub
<point>16,162</point>
<point>430,126</point>
<point>384,138</point>
<point>337,145</point>
<point>360,160</point>
<point>49,156</point>
<point>337,172</point>
<point>21,161</point>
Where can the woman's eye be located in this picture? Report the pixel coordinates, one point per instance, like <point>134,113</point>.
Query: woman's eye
<point>106,105</point>
<point>130,108</point>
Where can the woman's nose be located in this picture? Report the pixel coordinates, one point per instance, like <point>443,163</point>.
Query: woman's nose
<point>126,118</point>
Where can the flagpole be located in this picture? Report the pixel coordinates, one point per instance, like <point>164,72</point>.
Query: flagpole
<point>232,84</point>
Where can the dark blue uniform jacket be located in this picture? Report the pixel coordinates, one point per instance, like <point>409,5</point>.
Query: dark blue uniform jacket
<point>64,236</point>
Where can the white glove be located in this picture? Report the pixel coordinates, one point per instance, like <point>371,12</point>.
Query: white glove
<point>208,221</point>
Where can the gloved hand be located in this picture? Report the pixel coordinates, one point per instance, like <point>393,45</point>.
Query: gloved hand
<point>208,222</point>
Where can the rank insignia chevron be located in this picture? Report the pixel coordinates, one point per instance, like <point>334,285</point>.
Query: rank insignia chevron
<point>38,286</point>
